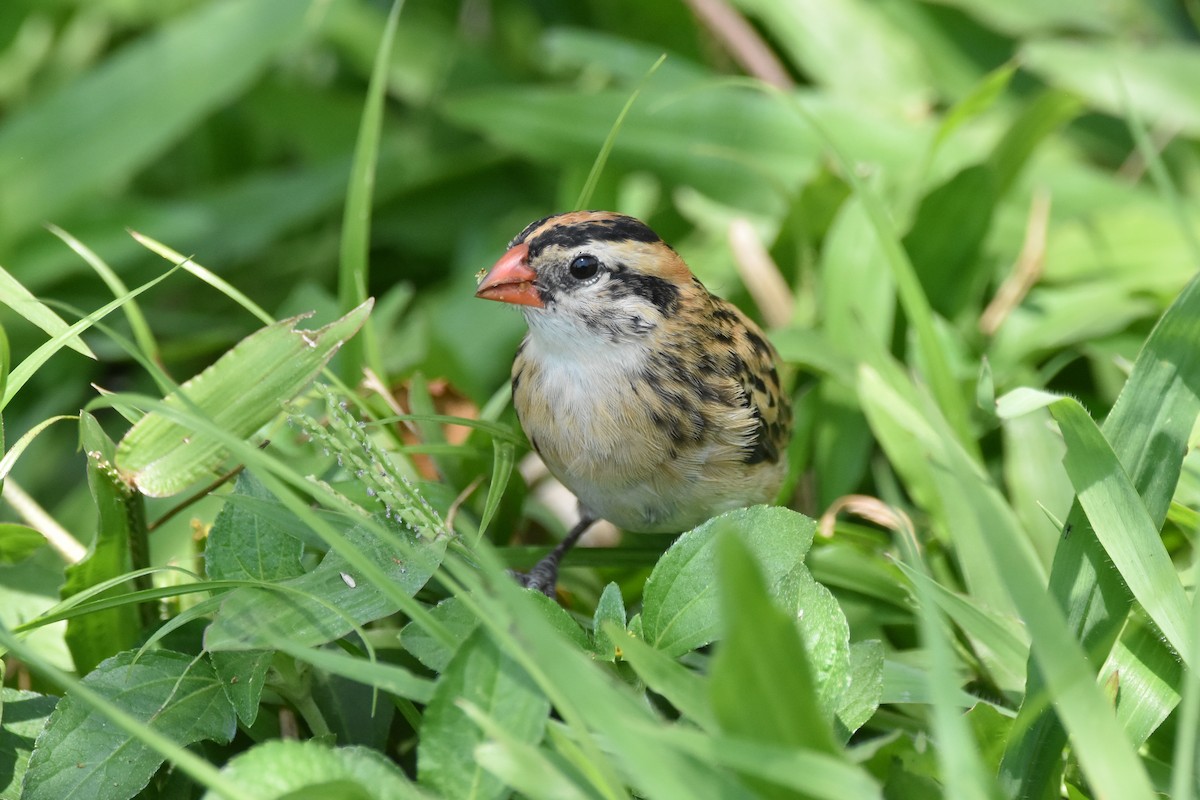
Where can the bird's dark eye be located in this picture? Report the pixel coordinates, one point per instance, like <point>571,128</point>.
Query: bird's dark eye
<point>584,267</point>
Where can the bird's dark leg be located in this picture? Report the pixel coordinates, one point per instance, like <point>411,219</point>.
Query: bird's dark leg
<point>544,575</point>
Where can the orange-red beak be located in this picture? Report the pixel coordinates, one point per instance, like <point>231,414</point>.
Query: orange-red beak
<point>511,280</point>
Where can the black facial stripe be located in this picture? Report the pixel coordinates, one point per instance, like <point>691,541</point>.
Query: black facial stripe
<point>617,229</point>
<point>663,294</point>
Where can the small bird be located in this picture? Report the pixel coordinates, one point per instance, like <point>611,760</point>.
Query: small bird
<point>654,401</point>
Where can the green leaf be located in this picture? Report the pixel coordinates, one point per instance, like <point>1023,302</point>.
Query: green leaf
<point>114,119</point>
<point>680,605</point>
<point>808,773</point>
<point>353,262</point>
<point>610,611</point>
<point>243,675</point>
<point>983,96</point>
<point>122,522</point>
<point>1161,82</point>
<point>1116,513</point>
<point>14,295</point>
<point>503,462</point>
<point>945,482</point>
<point>663,675</point>
<point>243,544</point>
<point>133,313</point>
<point>947,235</point>
<point>744,147</point>
<point>762,681</point>
<point>890,69</point>
<point>291,769</point>
<point>455,617</point>
<point>482,675</point>
<point>862,696</point>
<point>1048,112</point>
<point>80,753</point>
<point>328,602</point>
<point>1147,678</point>
<point>242,391</point>
<point>19,376</point>
<point>826,636</point>
<point>353,709</point>
<point>18,542</point>
<point>25,714</point>
<point>1000,641</point>
<point>379,674</point>
<point>527,769</point>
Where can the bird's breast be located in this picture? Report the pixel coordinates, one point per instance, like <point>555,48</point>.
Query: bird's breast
<point>636,451</point>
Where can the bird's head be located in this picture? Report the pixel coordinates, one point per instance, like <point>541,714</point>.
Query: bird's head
<point>598,271</point>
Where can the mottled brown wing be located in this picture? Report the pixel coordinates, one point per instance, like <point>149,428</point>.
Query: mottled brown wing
<point>764,395</point>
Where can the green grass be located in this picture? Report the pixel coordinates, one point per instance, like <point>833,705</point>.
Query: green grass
<point>986,218</point>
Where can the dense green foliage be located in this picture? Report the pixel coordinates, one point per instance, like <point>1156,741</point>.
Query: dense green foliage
<point>970,227</point>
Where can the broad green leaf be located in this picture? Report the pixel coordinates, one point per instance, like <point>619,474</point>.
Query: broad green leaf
<point>862,696</point>
<point>245,545</point>
<point>120,528</point>
<point>482,675</point>
<point>243,674</point>
<point>296,770</point>
<point>610,609</point>
<point>25,714</point>
<point>826,636</point>
<point>114,119</point>
<point>241,392</point>
<point>1161,82</point>
<point>328,602</point>
<point>455,618</point>
<point>14,295</point>
<point>680,600</point>
<point>81,754</point>
<point>762,682</point>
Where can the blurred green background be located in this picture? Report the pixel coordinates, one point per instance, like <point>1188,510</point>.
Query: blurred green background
<point>225,129</point>
<point>1002,140</point>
